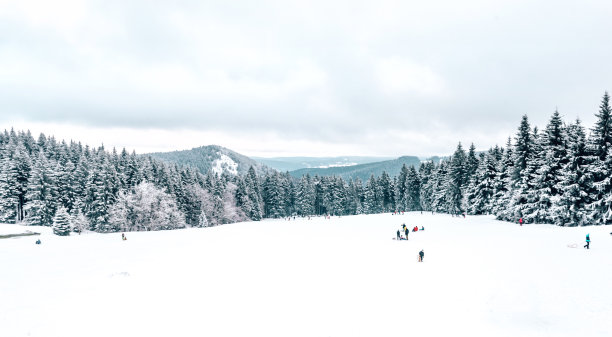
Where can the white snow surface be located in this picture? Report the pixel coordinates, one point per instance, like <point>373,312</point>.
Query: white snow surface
<point>338,277</point>
<point>225,164</point>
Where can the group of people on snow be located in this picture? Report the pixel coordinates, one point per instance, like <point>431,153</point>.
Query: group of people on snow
<point>402,234</point>
<point>405,231</point>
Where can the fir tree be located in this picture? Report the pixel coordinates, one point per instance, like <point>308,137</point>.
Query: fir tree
<point>601,134</point>
<point>62,222</point>
<point>457,179</point>
<point>575,181</point>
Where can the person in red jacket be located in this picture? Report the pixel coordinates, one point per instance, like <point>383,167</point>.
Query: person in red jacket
<point>521,221</point>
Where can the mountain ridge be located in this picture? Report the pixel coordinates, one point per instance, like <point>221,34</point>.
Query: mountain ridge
<point>214,158</point>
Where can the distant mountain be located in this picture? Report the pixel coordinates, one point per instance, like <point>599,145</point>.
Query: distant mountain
<point>295,163</point>
<point>212,157</point>
<point>362,171</point>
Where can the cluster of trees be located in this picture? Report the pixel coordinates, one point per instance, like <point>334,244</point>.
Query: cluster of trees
<point>43,179</point>
<point>557,175</point>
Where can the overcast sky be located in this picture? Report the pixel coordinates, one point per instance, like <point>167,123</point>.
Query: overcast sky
<point>282,78</point>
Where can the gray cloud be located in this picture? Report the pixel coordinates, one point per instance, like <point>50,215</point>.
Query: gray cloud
<point>345,72</point>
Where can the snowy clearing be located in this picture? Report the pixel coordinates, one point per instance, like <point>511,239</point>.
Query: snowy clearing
<point>337,277</point>
<point>224,163</point>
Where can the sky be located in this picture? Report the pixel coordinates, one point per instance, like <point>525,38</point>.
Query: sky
<point>300,78</point>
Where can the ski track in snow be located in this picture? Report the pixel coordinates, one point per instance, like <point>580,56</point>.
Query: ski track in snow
<point>339,277</point>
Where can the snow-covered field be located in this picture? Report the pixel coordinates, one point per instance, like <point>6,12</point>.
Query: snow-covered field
<point>338,277</point>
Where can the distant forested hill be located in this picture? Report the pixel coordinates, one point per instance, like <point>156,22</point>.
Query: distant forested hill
<point>212,158</point>
<point>363,171</point>
<point>283,164</point>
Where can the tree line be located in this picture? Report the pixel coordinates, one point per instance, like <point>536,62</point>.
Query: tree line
<point>558,175</point>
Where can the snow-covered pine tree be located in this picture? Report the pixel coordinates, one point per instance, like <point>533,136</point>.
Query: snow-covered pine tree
<point>400,189</point>
<point>601,134</point>
<point>504,184</point>
<point>425,171</point>
<point>480,191</point>
<point>575,181</point>
<point>524,202</point>
<point>302,206</point>
<point>439,182</point>
<point>254,194</point>
<point>523,148</point>
<point>386,188</point>
<point>79,220</point>
<point>355,196</point>
<point>274,196</point>
<point>62,223</point>
<point>457,179</point>
<point>370,204</point>
<point>472,162</point>
<point>39,195</point>
<point>599,145</point>
<point>242,199</point>
<point>22,165</point>
<point>202,221</point>
<point>550,157</point>
<point>412,188</point>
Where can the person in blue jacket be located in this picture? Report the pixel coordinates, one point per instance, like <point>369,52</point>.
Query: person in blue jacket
<point>588,241</point>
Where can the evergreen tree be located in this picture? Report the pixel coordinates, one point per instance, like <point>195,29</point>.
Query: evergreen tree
<point>41,203</point>
<point>425,171</point>
<point>457,179</point>
<point>387,194</point>
<point>504,184</point>
<point>62,222</point>
<point>370,201</point>
<point>550,157</point>
<point>412,188</point>
<point>601,134</point>
<point>481,189</point>
<point>471,162</point>
<point>400,189</point>
<point>575,181</point>
<point>523,149</point>
<point>202,221</point>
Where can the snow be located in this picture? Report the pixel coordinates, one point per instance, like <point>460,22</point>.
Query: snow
<point>8,229</point>
<point>338,277</point>
<point>337,165</point>
<point>225,163</point>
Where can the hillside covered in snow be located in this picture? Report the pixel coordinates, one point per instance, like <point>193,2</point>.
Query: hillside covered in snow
<point>212,158</point>
<point>343,276</point>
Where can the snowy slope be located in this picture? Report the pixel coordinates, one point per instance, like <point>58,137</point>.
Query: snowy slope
<point>338,277</point>
<point>212,157</point>
<point>224,164</point>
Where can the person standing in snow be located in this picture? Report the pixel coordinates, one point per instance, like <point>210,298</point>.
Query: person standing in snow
<point>421,255</point>
<point>521,221</point>
<point>588,242</point>
<point>406,231</point>
<point>398,234</point>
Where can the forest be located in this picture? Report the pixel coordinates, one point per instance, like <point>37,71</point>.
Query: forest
<point>557,175</point>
